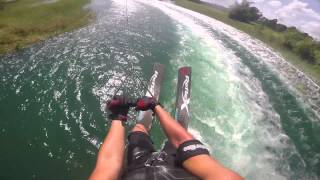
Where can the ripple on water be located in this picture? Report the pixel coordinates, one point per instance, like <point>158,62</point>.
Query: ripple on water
<point>59,87</point>
<point>262,130</point>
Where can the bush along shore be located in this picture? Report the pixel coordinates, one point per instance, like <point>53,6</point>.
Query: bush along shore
<point>25,22</point>
<point>297,47</point>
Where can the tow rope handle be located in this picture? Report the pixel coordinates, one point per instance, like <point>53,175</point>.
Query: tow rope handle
<point>131,102</point>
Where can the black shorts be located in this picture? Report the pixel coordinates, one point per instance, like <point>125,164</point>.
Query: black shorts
<point>140,151</point>
<point>144,162</point>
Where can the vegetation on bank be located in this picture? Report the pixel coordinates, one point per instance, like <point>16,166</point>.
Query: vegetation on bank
<point>298,42</point>
<point>25,22</point>
<point>297,47</point>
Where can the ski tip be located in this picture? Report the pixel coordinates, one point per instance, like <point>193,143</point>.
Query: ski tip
<point>183,96</point>
<point>185,70</point>
<point>158,65</point>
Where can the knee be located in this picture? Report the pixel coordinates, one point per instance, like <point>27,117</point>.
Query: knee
<point>139,128</point>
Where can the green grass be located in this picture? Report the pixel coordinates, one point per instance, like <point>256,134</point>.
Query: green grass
<point>265,34</point>
<point>24,22</point>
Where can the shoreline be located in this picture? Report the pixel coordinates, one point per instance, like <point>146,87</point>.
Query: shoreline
<point>311,70</point>
<point>25,23</point>
<point>301,84</point>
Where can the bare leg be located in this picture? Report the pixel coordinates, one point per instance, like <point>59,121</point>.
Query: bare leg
<point>140,146</point>
<point>145,118</point>
<point>140,127</point>
<point>174,131</point>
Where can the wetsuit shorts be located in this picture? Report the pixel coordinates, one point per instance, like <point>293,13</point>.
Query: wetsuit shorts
<point>144,162</point>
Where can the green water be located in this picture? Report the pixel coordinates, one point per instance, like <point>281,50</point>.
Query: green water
<point>51,100</point>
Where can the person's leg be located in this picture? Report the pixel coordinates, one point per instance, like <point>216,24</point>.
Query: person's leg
<point>140,147</point>
<point>139,127</point>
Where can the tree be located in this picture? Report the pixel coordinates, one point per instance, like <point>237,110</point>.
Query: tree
<point>280,28</point>
<point>305,49</point>
<point>244,12</point>
<point>273,24</point>
<point>291,37</point>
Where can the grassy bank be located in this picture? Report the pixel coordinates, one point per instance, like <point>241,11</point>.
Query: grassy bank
<point>258,31</point>
<point>25,22</point>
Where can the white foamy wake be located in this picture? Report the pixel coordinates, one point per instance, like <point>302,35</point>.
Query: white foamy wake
<point>256,142</point>
<point>290,75</point>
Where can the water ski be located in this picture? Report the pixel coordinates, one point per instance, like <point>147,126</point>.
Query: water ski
<point>182,104</point>
<point>183,96</point>
<point>154,87</point>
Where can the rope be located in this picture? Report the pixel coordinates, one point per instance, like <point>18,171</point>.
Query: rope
<point>129,43</point>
